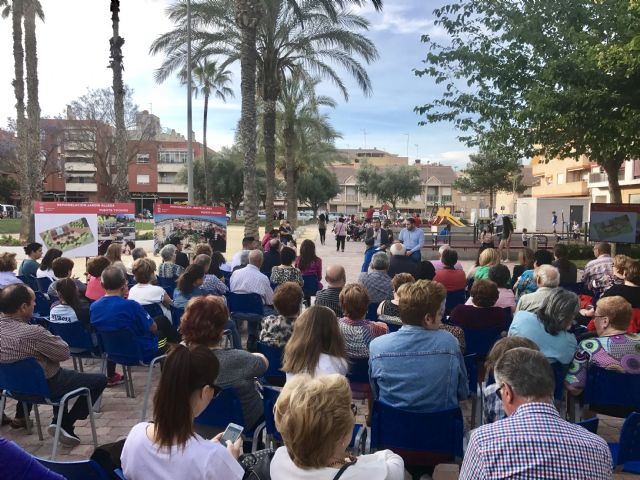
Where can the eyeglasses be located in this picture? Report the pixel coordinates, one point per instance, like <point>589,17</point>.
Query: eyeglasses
<point>499,391</point>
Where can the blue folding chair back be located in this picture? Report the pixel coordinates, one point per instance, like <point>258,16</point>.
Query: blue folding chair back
<point>227,278</point>
<point>245,303</point>
<point>153,309</point>
<point>480,341</point>
<point>611,388</point>
<point>169,285</point>
<point>310,287</point>
<point>24,379</point>
<point>43,306</point>
<point>358,370</point>
<point>29,280</point>
<point>274,375</point>
<point>176,315</point>
<point>471,364</point>
<point>626,454</point>
<point>454,299</point>
<point>559,372</point>
<point>372,312</point>
<point>43,284</point>
<point>121,347</point>
<point>269,398</point>
<point>76,336</point>
<point>82,470</point>
<point>590,424</point>
<point>420,438</point>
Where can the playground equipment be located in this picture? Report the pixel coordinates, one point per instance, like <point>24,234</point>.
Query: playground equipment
<point>443,216</point>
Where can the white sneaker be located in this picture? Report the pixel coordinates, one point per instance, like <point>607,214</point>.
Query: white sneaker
<point>66,438</point>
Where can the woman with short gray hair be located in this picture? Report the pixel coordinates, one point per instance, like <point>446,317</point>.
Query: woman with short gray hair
<point>168,268</point>
<point>547,327</point>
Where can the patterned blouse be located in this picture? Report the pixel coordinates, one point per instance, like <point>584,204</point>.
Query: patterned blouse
<point>276,330</point>
<point>390,309</point>
<point>282,274</point>
<point>358,335</point>
<point>169,270</point>
<point>526,284</point>
<point>618,352</point>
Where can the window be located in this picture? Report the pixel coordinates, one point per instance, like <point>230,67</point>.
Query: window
<point>561,179</point>
<point>474,198</point>
<point>634,198</point>
<point>142,158</point>
<point>143,179</point>
<point>165,178</point>
<point>172,156</point>
<point>463,198</point>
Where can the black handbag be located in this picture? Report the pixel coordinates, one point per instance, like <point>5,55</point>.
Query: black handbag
<point>256,465</point>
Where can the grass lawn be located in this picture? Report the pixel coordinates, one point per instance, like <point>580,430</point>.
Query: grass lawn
<point>580,263</point>
<point>12,225</point>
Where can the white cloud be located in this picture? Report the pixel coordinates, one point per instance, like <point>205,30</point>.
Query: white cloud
<point>455,158</point>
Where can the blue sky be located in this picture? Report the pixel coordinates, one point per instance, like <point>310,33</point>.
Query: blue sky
<point>73,55</point>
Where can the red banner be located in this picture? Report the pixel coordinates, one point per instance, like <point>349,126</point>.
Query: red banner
<point>97,208</point>
<point>615,207</point>
<point>170,209</point>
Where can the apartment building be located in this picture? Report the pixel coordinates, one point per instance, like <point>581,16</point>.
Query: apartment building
<point>628,177</point>
<point>560,178</point>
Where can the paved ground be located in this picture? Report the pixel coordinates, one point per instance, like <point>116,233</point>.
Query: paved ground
<point>119,413</point>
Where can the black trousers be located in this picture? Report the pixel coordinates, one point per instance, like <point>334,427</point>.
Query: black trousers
<point>340,240</point>
<point>323,235</point>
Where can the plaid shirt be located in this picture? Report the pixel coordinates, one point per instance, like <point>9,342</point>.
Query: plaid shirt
<point>598,274</point>
<point>20,340</point>
<point>378,285</point>
<point>330,298</point>
<point>534,442</point>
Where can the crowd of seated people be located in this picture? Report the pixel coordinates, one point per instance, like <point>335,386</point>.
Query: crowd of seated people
<point>320,343</point>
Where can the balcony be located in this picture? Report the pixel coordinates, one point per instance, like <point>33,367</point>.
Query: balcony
<point>445,199</point>
<point>170,167</point>
<point>603,178</point>
<point>84,145</point>
<point>81,187</point>
<point>172,188</point>
<point>352,198</point>
<point>72,167</point>
<point>432,198</point>
<point>573,189</point>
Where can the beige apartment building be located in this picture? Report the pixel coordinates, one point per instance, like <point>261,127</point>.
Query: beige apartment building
<point>628,177</point>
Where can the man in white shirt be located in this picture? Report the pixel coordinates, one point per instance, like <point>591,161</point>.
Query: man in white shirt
<point>251,280</point>
<point>247,244</point>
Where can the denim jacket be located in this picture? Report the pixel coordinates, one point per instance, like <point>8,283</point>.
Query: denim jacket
<point>418,369</point>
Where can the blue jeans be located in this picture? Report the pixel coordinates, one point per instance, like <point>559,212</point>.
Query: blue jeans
<point>416,256</point>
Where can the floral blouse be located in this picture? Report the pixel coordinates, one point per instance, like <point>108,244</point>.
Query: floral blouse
<point>618,352</point>
<point>276,330</point>
<point>282,274</point>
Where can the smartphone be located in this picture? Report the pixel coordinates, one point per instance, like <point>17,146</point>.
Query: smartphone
<point>231,433</point>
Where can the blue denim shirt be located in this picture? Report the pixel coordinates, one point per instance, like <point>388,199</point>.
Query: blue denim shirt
<point>418,369</point>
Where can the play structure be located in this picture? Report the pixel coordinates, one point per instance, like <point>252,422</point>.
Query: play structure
<point>443,216</point>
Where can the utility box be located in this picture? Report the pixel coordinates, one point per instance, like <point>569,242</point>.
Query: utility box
<point>535,214</point>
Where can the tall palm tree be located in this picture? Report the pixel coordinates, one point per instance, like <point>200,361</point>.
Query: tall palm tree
<point>28,147</point>
<point>115,64</point>
<point>209,79</point>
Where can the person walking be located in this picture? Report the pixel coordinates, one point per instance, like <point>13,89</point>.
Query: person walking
<point>505,241</point>
<point>322,227</point>
<point>340,229</point>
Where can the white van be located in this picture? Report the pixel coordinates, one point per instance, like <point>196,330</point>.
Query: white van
<point>8,211</point>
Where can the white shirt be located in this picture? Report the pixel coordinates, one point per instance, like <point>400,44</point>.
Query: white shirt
<point>46,274</point>
<point>62,314</point>
<point>235,261</point>
<point>382,465</point>
<point>326,366</point>
<point>251,280</point>
<point>147,295</point>
<point>200,459</point>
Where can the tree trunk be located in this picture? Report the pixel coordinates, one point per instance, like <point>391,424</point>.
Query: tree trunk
<point>290,174</point>
<point>122,165</point>
<point>22,166</point>
<point>269,139</point>
<point>247,16</point>
<point>34,156</point>
<point>612,168</point>
<point>490,202</point>
<point>207,188</point>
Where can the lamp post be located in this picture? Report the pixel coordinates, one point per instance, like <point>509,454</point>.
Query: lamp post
<point>190,198</point>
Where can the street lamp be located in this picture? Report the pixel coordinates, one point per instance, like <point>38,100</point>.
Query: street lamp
<point>190,198</point>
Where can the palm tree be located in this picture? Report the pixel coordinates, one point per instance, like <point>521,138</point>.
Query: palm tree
<point>116,42</point>
<point>28,147</point>
<point>306,134</point>
<point>210,79</point>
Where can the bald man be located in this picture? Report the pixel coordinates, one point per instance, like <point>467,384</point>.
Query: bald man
<point>336,278</point>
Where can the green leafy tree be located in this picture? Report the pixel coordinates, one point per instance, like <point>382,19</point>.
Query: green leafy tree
<point>8,187</point>
<point>488,172</point>
<point>551,78</point>
<point>316,187</point>
<point>391,185</point>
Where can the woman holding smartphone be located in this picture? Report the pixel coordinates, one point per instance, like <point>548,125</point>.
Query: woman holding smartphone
<point>169,448</point>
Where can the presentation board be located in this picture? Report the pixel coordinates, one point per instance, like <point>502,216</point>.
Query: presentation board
<point>83,229</point>
<point>193,224</point>
<point>615,222</point>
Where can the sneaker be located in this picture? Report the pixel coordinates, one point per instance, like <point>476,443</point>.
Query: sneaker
<point>115,379</point>
<point>67,435</point>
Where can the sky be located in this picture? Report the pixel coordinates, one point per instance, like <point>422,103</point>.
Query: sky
<point>73,55</point>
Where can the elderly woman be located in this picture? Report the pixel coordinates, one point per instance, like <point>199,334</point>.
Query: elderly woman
<point>143,291</point>
<point>482,313</point>
<point>499,274</point>
<point>203,323</point>
<point>277,329</point>
<point>314,417</point>
<point>613,348</point>
<point>168,268</point>
<point>548,328</point>
<point>7,266</point>
<point>355,328</point>
<point>389,310</point>
<point>488,258</point>
<point>286,272</point>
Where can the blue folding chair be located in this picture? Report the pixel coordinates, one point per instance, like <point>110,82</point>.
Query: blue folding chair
<point>559,372</point>
<point>590,424</point>
<point>227,278</point>
<point>25,381</point>
<point>310,287</point>
<point>81,470</point>
<point>249,307</point>
<point>131,281</point>
<point>480,341</point>
<point>121,346</point>
<point>176,315</point>
<point>274,375</point>
<point>43,284</point>
<point>81,342</point>
<point>420,438</point>
<point>372,312</point>
<point>43,306</point>
<point>626,453</point>
<point>30,281</point>
<point>225,409</point>
<point>608,388</point>
<point>153,309</point>
<point>471,365</point>
<point>454,299</point>
<point>169,285</point>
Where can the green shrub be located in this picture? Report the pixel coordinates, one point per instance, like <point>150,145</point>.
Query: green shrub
<point>8,241</point>
<point>148,235</point>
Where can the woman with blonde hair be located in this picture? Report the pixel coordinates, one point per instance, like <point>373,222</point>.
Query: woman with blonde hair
<point>488,258</point>
<point>114,255</point>
<point>314,417</point>
<point>316,346</point>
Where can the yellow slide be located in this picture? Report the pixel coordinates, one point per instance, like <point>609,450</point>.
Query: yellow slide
<point>444,216</point>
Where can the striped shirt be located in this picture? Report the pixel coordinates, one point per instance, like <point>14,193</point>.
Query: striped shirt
<point>358,335</point>
<point>251,280</point>
<point>598,274</point>
<point>534,442</point>
<point>20,340</point>
<point>330,298</point>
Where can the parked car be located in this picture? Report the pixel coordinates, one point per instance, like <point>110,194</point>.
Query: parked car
<point>8,211</point>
